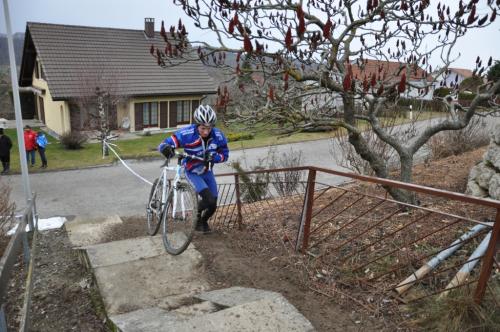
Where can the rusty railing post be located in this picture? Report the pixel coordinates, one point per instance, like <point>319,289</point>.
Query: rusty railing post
<point>305,219</point>
<point>238,198</point>
<point>487,265</point>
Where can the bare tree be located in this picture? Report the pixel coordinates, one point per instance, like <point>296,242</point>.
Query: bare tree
<point>98,96</point>
<point>324,46</point>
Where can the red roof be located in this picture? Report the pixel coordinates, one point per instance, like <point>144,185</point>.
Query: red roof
<point>463,72</point>
<point>390,70</point>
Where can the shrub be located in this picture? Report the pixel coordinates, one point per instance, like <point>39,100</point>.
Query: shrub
<point>471,83</point>
<point>455,142</point>
<point>458,312</point>
<point>285,182</point>
<point>253,187</point>
<point>466,96</point>
<point>233,137</point>
<point>73,140</point>
<point>442,92</point>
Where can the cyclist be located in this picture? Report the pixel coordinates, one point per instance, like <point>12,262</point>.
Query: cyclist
<point>201,139</point>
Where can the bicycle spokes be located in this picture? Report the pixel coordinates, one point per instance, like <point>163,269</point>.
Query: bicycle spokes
<point>180,219</point>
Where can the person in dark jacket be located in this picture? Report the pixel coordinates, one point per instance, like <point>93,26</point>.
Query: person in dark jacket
<point>5,146</point>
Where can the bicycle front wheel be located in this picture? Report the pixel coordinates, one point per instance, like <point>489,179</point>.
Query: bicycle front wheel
<point>155,208</point>
<point>180,217</point>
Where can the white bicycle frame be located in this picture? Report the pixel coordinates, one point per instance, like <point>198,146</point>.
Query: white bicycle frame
<point>178,172</point>
<point>179,169</point>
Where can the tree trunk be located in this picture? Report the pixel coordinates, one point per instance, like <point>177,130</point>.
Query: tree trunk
<point>406,175</point>
<point>378,164</point>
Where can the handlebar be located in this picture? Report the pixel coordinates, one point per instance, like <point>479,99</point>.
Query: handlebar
<point>181,156</point>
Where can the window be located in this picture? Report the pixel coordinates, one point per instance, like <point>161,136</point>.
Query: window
<point>37,72</point>
<point>42,72</point>
<point>150,114</point>
<point>183,111</point>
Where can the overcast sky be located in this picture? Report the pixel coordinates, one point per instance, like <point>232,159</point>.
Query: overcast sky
<point>130,14</point>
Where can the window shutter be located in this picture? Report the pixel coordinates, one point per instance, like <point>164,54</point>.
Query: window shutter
<point>138,116</point>
<point>194,106</point>
<point>173,114</point>
<point>164,114</point>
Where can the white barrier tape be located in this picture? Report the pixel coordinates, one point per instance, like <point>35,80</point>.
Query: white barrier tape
<point>125,164</point>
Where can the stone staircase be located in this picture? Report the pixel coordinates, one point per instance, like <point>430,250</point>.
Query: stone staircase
<point>143,288</point>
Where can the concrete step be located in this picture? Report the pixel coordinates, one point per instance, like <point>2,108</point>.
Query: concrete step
<point>87,231</point>
<point>143,288</point>
<point>149,319</point>
<point>117,252</point>
<point>138,273</point>
<point>157,319</point>
<point>272,313</point>
<point>230,297</point>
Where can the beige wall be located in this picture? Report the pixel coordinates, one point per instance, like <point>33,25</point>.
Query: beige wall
<point>56,112</point>
<point>131,107</point>
<point>122,112</point>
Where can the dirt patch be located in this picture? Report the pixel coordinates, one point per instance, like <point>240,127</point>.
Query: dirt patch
<point>231,259</point>
<point>449,173</point>
<point>65,297</point>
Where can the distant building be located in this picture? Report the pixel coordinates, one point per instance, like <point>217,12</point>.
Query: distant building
<point>388,71</point>
<point>391,71</point>
<point>451,77</point>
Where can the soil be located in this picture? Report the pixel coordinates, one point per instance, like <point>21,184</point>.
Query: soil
<point>65,297</point>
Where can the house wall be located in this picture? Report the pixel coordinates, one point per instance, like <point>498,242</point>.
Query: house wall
<point>56,112</point>
<point>449,79</point>
<point>411,92</point>
<point>122,112</point>
<point>133,101</point>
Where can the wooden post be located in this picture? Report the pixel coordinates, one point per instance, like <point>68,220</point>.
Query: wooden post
<point>238,198</point>
<point>487,265</point>
<point>305,220</point>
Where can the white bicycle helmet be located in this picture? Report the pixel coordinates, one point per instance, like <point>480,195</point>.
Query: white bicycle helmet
<point>205,115</point>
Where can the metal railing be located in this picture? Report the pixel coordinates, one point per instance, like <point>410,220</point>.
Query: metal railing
<point>20,241</point>
<point>367,239</point>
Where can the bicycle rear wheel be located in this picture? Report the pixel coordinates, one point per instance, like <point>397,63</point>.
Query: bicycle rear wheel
<point>155,209</point>
<point>179,219</point>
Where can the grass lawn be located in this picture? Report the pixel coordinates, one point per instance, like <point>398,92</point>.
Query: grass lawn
<point>144,147</point>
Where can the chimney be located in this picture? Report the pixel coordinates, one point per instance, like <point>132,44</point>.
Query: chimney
<point>149,27</point>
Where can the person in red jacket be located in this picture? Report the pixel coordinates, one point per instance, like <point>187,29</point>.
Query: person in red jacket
<point>30,144</point>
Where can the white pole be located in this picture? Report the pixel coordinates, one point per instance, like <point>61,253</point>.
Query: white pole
<point>462,275</point>
<point>434,262</point>
<point>17,106</point>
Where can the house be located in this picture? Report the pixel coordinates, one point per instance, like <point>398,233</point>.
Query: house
<point>454,76</point>
<point>420,83</point>
<point>64,64</point>
<point>418,79</point>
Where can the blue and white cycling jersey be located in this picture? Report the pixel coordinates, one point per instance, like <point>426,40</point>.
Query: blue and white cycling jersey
<point>193,144</point>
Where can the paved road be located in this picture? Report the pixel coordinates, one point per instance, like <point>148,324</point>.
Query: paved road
<point>103,191</point>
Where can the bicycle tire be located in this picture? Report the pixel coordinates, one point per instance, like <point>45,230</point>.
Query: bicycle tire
<point>178,229</point>
<point>154,209</point>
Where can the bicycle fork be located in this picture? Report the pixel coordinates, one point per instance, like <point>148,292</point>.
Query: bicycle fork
<point>176,193</point>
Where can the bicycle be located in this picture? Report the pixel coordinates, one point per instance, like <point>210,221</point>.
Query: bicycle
<point>173,203</point>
